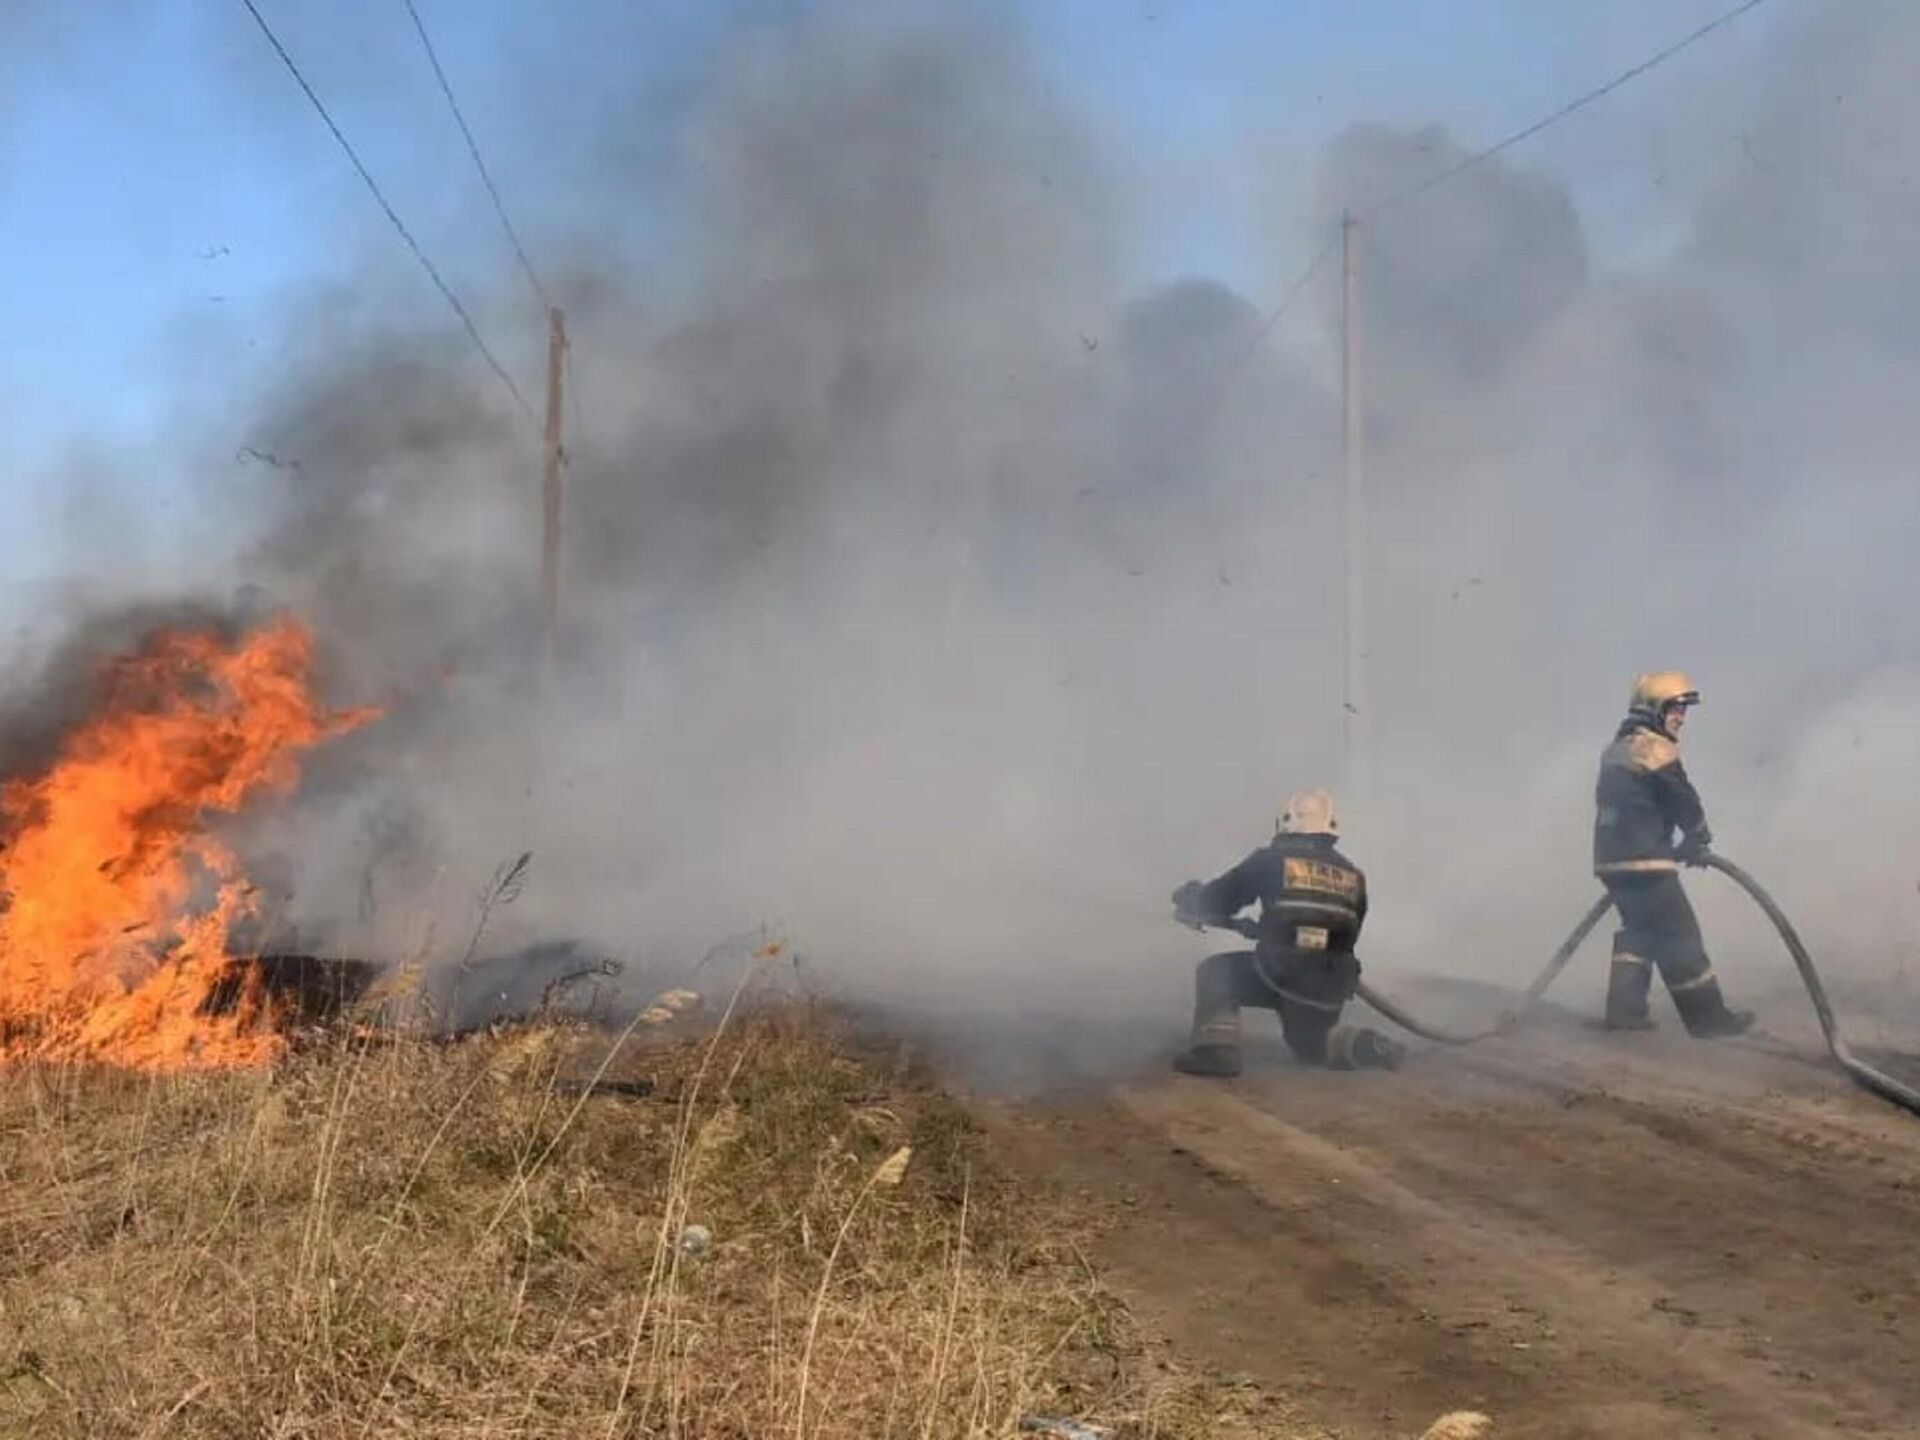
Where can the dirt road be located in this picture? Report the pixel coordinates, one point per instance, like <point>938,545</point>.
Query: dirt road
<point>1584,1235</point>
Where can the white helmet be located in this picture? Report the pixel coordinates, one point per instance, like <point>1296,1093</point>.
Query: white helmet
<point>1309,812</point>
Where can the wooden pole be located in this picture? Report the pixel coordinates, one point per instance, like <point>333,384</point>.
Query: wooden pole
<point>1356,700</point>
<point>551,492</point>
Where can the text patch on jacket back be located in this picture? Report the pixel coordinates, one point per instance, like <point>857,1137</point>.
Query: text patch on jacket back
<point>1320,878</point>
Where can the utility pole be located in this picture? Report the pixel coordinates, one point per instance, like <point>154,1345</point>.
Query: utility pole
<point>550,489</point>
<point>1357,715</point>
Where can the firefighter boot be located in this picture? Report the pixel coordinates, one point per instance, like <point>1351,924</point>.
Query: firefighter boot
<point>1355,1047</point>
<point>1627,985</point>
<point>1214,1048</point>
<point>1220,1061</point>
<point>1703,1009</point>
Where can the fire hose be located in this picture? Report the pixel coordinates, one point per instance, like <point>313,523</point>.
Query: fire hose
<point>1866,1076</point>
<point>1508,1020</point>
<point>1861,1073</point>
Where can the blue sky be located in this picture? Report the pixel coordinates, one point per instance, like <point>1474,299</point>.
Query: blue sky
<point>161,177</point>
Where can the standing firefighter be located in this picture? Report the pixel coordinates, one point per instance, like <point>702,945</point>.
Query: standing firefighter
<point>1643,800</point>
<point>1313,901</point>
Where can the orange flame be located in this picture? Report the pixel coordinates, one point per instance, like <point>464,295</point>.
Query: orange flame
<point>117,900</point>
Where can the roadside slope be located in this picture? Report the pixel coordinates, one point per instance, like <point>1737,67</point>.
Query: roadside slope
<point>773,1230</point>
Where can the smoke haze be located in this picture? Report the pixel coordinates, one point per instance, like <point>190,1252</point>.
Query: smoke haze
<point>937,594</point>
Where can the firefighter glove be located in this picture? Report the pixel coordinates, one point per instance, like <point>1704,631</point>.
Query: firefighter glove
<point>1695,847</point>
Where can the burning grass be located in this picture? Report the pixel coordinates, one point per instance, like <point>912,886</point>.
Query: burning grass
<point>117,901</point>
<point>404,1239</point>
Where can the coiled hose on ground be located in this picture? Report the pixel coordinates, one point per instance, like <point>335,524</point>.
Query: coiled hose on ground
<point>1861,1073</point>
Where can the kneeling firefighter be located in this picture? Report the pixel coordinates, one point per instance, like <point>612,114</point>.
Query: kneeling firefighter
<point>1642,801</point>
<point>1313,901</point>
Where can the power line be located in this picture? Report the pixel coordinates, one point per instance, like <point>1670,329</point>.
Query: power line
<point>426,264</point>
<point>1442,176</point>
<point>473,149</point>
<point>1480,157</point>
<point>1293,292</point>
<point>1232,371</point>
<point>493,193</point>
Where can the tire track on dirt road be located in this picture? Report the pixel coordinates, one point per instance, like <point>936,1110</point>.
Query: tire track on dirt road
<point>1588,1241</point>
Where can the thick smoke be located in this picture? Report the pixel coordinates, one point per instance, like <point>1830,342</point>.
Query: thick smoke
<point>937,595</point>
<point>1697,465</point>
<point>67,676</point>
<point>879,536</point>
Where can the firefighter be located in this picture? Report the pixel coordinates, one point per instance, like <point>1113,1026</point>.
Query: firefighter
<point>1313,901</point>
<point>1648,822</point>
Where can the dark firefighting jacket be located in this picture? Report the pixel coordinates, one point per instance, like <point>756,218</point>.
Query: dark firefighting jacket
<point>1313,901</point>
<point>1643,798</point>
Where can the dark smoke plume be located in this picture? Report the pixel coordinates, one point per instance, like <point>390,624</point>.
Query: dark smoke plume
<point>936,593</point>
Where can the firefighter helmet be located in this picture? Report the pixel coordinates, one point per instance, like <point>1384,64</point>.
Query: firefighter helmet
<point>1654,693</point>
<point>1309,812</point>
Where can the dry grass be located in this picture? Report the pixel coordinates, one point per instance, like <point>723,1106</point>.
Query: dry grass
<point>400,1239</point>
